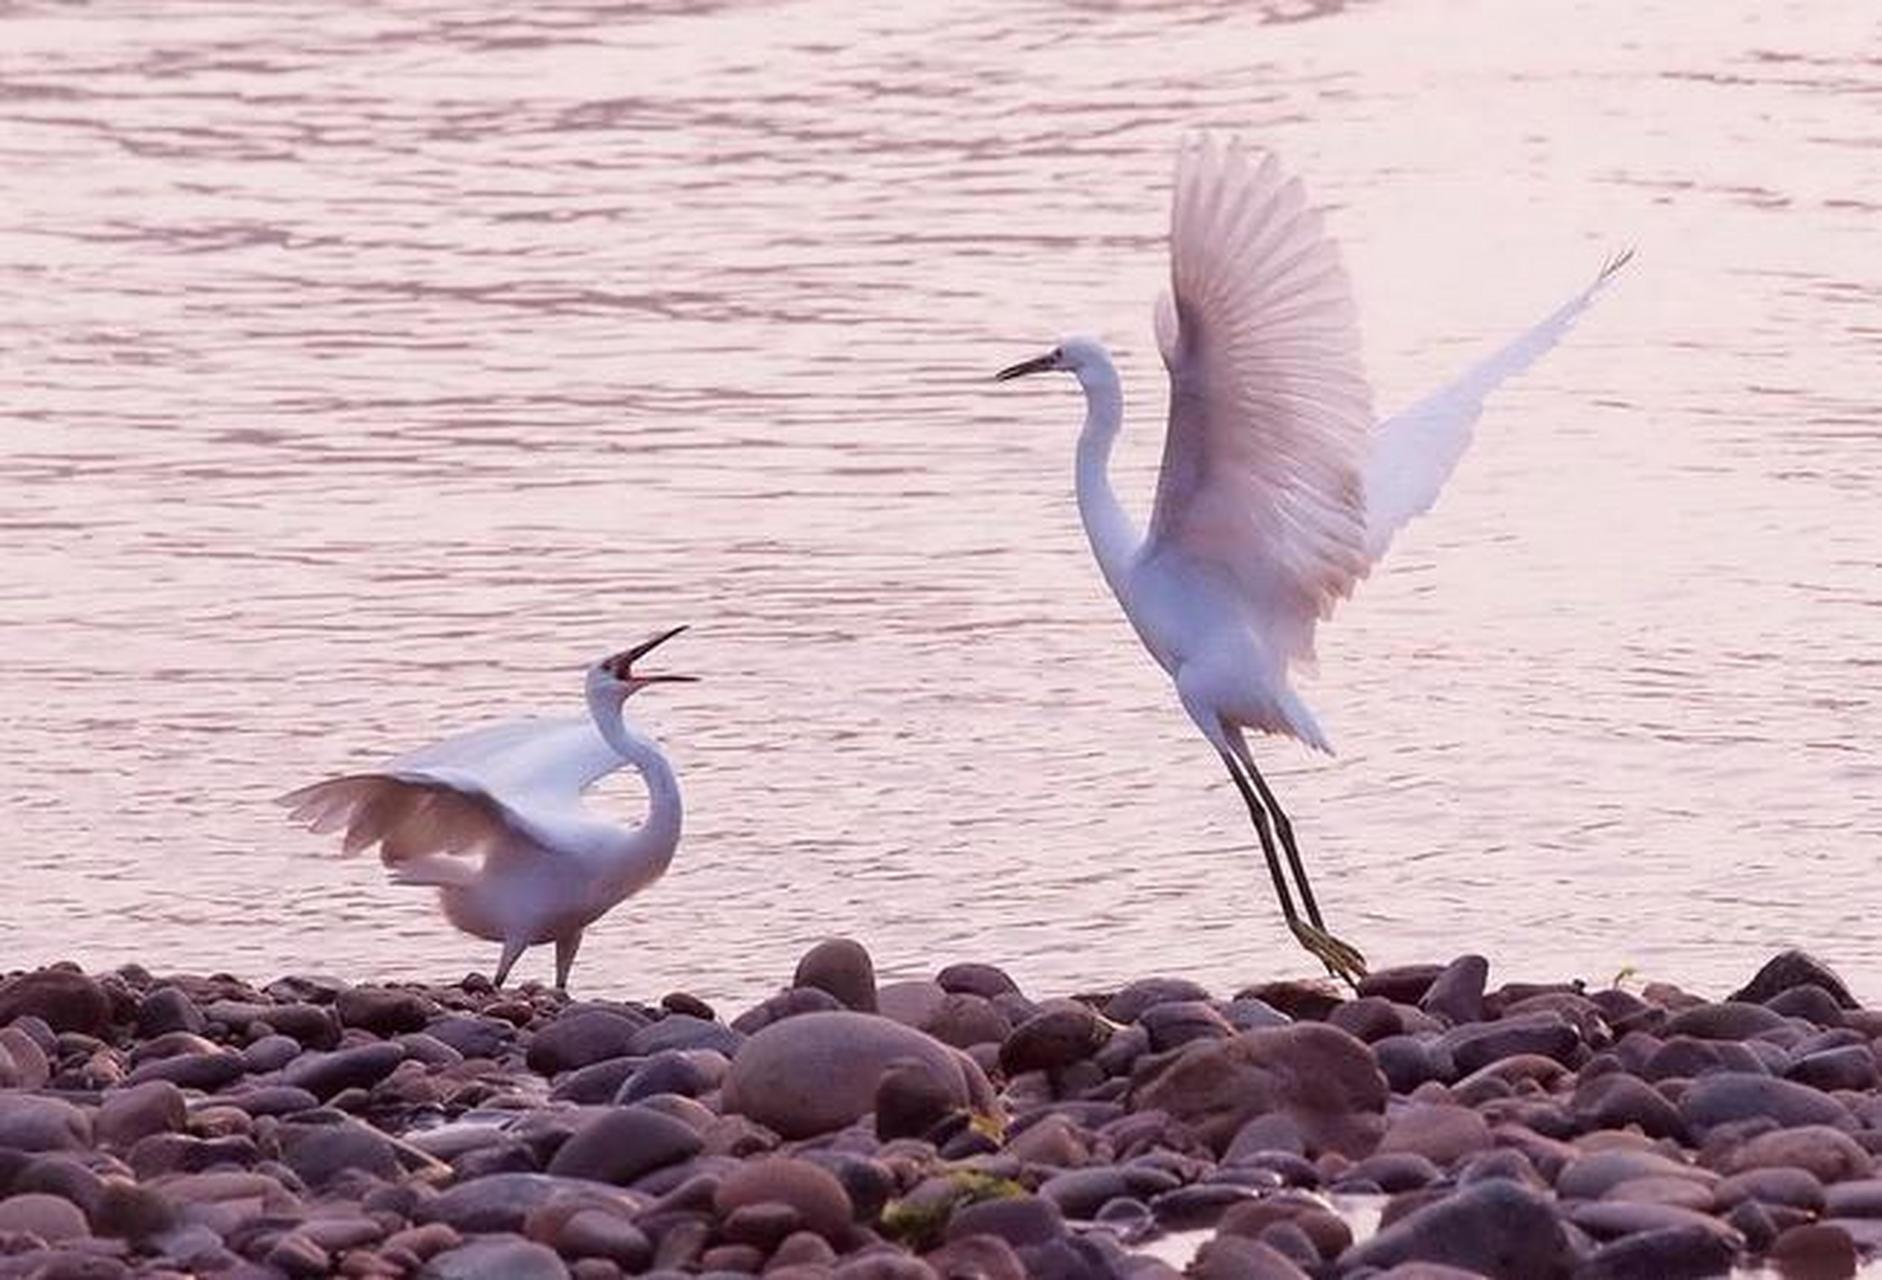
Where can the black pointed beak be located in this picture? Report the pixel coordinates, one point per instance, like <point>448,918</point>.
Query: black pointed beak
<point>1038,364</point>
<point>622,663</point>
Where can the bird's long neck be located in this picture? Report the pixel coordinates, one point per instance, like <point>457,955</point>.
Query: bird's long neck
<point>1114,539</point>
<point>645,851</point>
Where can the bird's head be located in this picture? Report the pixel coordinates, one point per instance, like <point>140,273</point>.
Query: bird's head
<point>1079,357</point>
<point>615,676</point>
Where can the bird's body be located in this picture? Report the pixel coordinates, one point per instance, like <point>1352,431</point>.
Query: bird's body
<point>1279,490</point>
<point>493,819</point>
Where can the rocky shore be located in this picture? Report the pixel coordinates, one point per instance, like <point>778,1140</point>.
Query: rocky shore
<point>959,1127</point>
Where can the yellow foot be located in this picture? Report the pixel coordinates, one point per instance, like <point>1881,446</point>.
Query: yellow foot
<point>1342,960</point>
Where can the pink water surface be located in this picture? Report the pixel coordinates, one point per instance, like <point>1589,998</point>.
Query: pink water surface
<point>370,369</point>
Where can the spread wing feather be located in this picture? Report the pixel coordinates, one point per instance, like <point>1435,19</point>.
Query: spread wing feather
<point>1269,408</point>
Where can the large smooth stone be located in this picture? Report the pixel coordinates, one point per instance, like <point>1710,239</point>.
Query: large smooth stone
<point>319,1153</point>
<point>818,1071</point>
<point>579,1038</point>
<point>29,1123</point>
<point>818,1198</point>
<point>1726,1096</point>
<point>1054,1038</point>
<point>1593,1176</point>
<point>842,967</point>
<point>1441,1133</point>
<point>1496,1228</point>
<point>1727,1020</point>
<point>325,1074</point>
<point>1129,1004</point>
<point>384,1011</point>
<point>1829,1154</point>
<point>1322,1078</point>
<point>621,1144</point>
<point>156,1106</point>
<point>1790,969</point>
<point>1687,1252</point>
<point>67,1001</point>
<point>1456,994</point>
<point>682,1031</point>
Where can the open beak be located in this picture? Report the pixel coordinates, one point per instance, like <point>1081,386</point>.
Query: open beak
<point>622,663</point>
<point>1038,364</point>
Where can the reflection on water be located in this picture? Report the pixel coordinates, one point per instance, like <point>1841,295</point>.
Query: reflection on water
<point>371,370</point>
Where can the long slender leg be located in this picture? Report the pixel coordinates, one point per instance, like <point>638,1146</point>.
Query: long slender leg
<point>511,950</point>
<point>565,948</point>
<point>1342,959</point>
<point>1260,817</point>
<point>1285,829</point>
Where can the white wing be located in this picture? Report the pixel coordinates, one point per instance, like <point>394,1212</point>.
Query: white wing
<point>1414,452</point>
<point>486,791</point>
<point>1269,408</point>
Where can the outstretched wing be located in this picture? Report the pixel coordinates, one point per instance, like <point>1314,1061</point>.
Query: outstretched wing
<point>482,792</point>
<point>1414,452</point>
<point>1269,407</point>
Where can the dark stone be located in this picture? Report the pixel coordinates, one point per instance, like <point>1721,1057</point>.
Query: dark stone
<point>1793,969</point>
<point>384,1011</point>
<point>1592,1176</point>
<point>911,1099</point>
<point>683,1031</point>
<point>1325,1080</point>
<point>580,1038</point>
<point>813,1193</point>
<point>1055,1038</point>
<point>1666,1253</point>
<point>1129,1004</point>
<point>167,1009</point>
<point>1851,1067</point>
<point>205,1071</point>
<point>500,1201</point>
<point>962,1020</point>
<point>1496,1228</point>
<point>671,1071</point>
<point>817,1072</point>
<point>1409,1061</point>
<point>1797,1188</point>
<point>1302,1001</point>
<point>786,1004</point>
<point>131,1212</point>
<point>1727,1020</point>
<point>1401,984</point>
<point>1728,1096</point>
<point>1616,1100</point>
<point>1456,994</point>
<point>1809,1002</point>
<point>1395,1171</point>
<point>320,1153</point>
<point>1477,1045</point>
<point>975,979</point>
<point>1018,1220</point>
<point>1080,1193</point>
<point>1814,1251</point>
<point>136,1111</point>
<point>1174,1023</point>
<point>473,1036</point>
<point>621,1144</point>
<point>66,999</point>
<point>29,1123</point>
<point>842,967</point>
<point>325,1074</point>
<point>597,1082</point>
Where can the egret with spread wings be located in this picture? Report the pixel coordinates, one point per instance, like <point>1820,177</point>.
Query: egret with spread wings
<point>1278,489</point>
<point>494,819</point>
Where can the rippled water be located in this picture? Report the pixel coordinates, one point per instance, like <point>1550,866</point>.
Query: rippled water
<point>370,370</point>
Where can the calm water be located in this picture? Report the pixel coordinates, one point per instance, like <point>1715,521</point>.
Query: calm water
<point>369,371</point>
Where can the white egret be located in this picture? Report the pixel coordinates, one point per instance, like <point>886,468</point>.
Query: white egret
<point>1278,491</point>
<point>494,820</point>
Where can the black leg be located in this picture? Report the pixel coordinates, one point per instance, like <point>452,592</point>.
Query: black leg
<point>1285,830</point>
<point>1260,817</point>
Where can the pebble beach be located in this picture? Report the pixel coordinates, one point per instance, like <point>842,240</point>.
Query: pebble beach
<point>1430,1126</point>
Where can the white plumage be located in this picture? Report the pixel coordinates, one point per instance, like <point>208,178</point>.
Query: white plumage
<point>494,818</point>
<point>1278,490</point>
